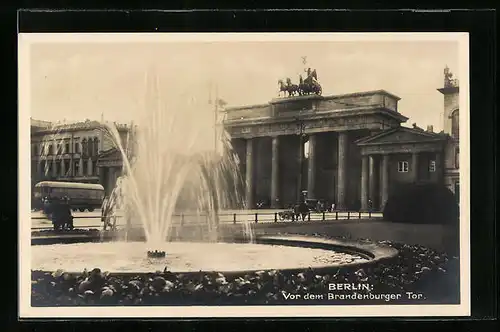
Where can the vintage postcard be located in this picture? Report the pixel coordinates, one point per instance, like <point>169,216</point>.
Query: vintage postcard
<point>244,175</point>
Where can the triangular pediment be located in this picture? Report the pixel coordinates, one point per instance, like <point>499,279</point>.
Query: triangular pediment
<point>110,154</point>
<point>400,135</point>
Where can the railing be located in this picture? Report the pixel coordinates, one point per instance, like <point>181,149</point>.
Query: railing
<point>255,217</point>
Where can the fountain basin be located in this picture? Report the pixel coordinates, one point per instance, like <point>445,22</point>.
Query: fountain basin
<point>268,253</point>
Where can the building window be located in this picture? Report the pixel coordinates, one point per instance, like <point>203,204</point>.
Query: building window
<point>67,167</point>
<point>457,157</point>
<point>402,166</point>
<point>57,168</point>
<point>59,148</point>
<point>76,167</point>
<point>77,146</point>
<point>96,146</point>
<point>66,147</point>
<point>49,147</point>
<point>85,146</point>
<point>432,166</point>
<point>94,169</point>
<point>455,131</point>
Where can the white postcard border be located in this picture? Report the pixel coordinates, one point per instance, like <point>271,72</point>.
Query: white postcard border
<point>24,227</point>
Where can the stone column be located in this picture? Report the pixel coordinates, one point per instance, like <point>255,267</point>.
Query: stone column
<point>102,176</point>
<point>311,167</point>
<point>385,181</point>
<point>39,171</point>
<point>364,183</point>
<point>414,166</point>
<point>80,171</point>
<point>89,167</point>
<point>111,178</point>
<point>275,172</point>
<point>342,165</point>
<point>54,167</point>
<point>300,161</point>
<point>372,178</point>
<point>440,166</point>
<point>249,174</point>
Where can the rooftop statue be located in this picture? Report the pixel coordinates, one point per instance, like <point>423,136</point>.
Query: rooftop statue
<point>307,86</point>
<point>449,81</point>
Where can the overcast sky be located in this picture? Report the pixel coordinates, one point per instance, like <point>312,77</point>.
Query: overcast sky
<point>75,81</point>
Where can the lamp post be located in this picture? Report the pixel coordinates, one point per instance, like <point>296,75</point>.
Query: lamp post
<point>300,127</point>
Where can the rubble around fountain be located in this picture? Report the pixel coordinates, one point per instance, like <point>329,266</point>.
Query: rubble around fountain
<point>416,269</point>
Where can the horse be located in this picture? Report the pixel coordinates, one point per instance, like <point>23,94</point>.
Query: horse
<point>292,89</point>
<point>310,86</point>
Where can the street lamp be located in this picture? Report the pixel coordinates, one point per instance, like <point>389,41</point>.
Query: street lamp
<point>300,128</point>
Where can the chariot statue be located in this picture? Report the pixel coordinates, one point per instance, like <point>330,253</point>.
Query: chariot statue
<point>307,86</point>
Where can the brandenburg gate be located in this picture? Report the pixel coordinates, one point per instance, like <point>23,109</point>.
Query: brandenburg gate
<point>271,141</point>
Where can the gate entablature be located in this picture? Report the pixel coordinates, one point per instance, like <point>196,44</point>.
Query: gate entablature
<point>373,110</point>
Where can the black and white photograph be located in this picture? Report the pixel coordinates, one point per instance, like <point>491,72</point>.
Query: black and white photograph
<point>244,175</point>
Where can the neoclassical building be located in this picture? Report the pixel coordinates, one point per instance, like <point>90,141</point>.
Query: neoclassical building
<point>346,149</point>
<point>74,152</point>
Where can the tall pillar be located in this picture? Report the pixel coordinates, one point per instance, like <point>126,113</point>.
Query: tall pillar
<point>89,167</point>
<point>414,166</point>
<point>80,171</point>
<point>342,166</point>
<point>372,178</point>
<point>300,161</point>
<point>39,171</point>
<point>249,174</point>
<point>102,176</point>
<point>275,172</point>
<point>385,181</point>
<point>364,183</point>
<point>311,167</point>
<point>440,166</point>
<point>54,167</point>
<point>111,178</point>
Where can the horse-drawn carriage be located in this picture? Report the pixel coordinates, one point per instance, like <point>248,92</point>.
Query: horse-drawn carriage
<point>294,213</point>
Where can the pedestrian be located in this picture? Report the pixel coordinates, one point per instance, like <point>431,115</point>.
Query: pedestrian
<point>277,203</point>
<point>303,210</point>
<point>68,217</point>
<point>296,212</point>
<point>105,213</point>
<point>58,214</point>
<point>333,207</point>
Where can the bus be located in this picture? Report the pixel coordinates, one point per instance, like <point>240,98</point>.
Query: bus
<point>82,196</point>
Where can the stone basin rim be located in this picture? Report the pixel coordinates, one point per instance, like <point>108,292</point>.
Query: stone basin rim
<point>374,252</point>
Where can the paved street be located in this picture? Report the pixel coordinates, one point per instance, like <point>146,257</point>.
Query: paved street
<point>92,219</point>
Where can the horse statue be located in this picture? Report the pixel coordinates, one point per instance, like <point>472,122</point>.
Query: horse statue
<point>289,87</point>
<point>310,85</point>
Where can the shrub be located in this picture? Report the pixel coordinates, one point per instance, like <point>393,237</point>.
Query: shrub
<point>422,204</point>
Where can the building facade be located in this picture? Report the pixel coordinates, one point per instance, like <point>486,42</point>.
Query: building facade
<point>451,127</point>
<point>345,149</point>
<point>71,152</point>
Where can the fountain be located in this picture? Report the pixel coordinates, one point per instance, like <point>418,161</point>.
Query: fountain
<point>170,196</point>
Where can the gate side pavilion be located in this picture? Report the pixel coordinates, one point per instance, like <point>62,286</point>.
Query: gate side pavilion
<point>356,149</point>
